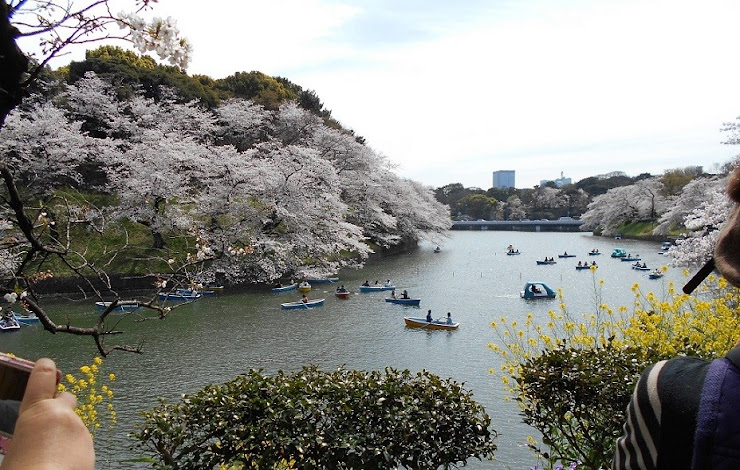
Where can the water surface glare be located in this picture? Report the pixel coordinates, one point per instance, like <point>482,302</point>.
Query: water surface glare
<point>217,338</point>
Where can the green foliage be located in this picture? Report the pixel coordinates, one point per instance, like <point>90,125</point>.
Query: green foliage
<point>477,206</point>
<point>256,86</point>
<point>341,419</point>
<point>129,72</point>
<point>674,180</point>
<point>577,399</point>
<point>636,229</point>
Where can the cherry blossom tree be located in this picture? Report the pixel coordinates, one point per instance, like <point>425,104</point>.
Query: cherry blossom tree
<point>640,201</point>
<point>36,237</point>
<point>515,208</point>
<point>704,223</point>
<point>249,193</point>
<point>679,207</point>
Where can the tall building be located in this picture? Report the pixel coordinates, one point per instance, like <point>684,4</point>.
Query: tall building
<point>503,179</point>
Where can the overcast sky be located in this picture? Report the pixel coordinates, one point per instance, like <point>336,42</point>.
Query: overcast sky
<point>452,91</point>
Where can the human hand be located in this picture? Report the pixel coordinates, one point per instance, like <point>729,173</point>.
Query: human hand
<point>48,433</point>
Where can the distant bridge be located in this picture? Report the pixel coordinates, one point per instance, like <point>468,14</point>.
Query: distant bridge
<point>565,224</point>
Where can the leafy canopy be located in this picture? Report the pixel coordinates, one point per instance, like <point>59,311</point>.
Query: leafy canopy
<point>339,419</point>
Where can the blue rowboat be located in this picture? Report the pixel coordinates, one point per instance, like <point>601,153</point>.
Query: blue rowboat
<point>403,301</point>
<point>127,307</point>
<point>546,262</point>
<point>584,266</point>
<point>175,297</point>
<point>302,305</point>
<point>25,319</point>
<point>9,324</point>
<point>284,288</point>
<point>377,288</point>
<point>204,293</point>
<point>566,255</point>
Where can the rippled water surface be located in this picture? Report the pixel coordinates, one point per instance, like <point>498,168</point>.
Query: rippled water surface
<point>219,337</point>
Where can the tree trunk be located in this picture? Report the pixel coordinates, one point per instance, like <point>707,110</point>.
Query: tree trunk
<point>13,64</point>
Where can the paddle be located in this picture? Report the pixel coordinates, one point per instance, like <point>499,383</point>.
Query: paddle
<point>433,321</point>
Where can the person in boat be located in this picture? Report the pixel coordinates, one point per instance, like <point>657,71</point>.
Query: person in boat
<point>429,316</point>
<point>405,294</point>
<point>341,288</point>
<point>304,299</point>
<point>449,318</point>
<point>579,264</point>
<point>393,294</point>
<point>593,263</point>
<point>376,282</point>
<point>278,284</point>
<point>366,283</point>
<point>388,283</point>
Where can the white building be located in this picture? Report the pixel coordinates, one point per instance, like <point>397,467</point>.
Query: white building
<point>559,182</point>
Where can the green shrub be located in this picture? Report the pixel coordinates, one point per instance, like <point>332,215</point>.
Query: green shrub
<point>341,419</point>
<point>576,398</point>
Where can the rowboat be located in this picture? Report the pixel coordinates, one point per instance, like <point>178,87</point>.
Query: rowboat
<point>566,255</point>
<point>640,267</point>
<point>593,253</point>
<point>302,305</point>
<point>512,253</point>
<point>584,266</point>
<point>188,291</point>
<point>546,262</point>
<point>304,287</point>
<point>322,280</point>
<point>129,306</point>
<point>376,288</point>
<point>25,319</point>
<point>342,295</point>
<point>655,275</point>
<point>284,288</point>
<point>174,296</point>
<point>438,250</point>
<point>403,301</point>
<point>9,324</point>
<point>630,258</point>
<point>433,325</point>
<point>537,290</point>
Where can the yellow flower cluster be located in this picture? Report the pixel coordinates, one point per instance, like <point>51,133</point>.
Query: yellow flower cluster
<point>705,325</point>
<point>92,395</point>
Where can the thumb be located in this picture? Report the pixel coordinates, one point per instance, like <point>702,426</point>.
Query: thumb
<point>42,384</point>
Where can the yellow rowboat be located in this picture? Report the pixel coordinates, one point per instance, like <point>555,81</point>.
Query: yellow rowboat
<point>433,325</point>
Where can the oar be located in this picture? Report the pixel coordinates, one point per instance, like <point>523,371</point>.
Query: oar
<point>433,321</point>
